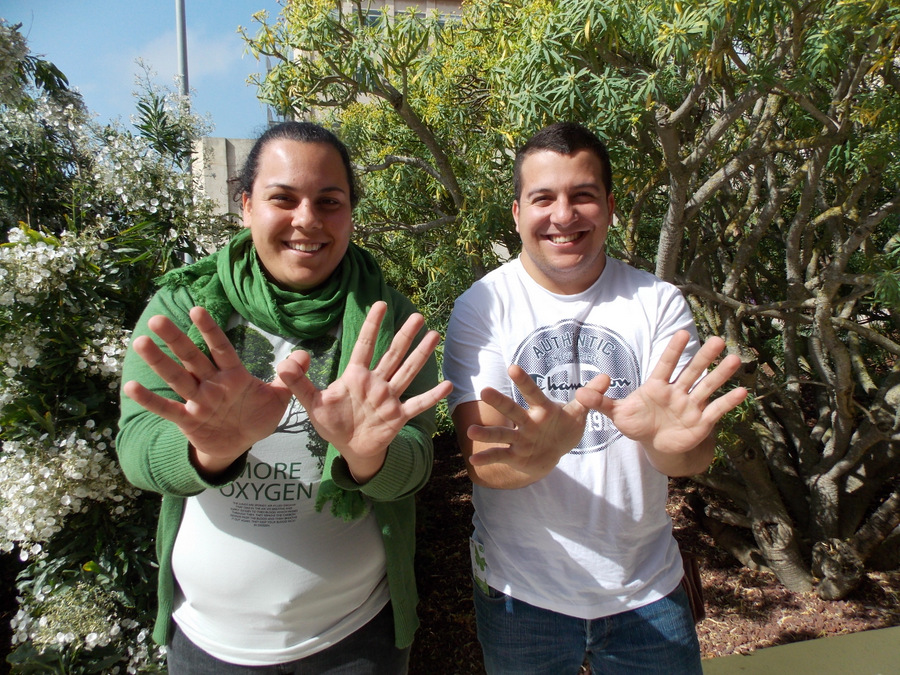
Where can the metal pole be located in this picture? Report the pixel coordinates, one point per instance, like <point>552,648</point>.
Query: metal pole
<point>181,46</point>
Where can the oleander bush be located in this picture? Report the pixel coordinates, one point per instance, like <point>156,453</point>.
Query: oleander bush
<point>89,216</point>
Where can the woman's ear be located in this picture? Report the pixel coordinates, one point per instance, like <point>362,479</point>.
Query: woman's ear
<point>245,208</point>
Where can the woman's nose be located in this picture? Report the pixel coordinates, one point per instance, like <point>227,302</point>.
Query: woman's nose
<point>305,216</point>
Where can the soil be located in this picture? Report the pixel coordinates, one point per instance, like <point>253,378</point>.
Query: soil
<point>745,609</point>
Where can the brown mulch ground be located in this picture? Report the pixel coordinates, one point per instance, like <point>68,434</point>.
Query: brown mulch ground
<point>746,610</point>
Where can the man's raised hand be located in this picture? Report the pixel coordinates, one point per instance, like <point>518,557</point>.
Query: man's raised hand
<point>672,418</point>
<point>534,438</point>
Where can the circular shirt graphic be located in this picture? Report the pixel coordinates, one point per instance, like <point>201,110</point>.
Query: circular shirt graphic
<point>566,356</point>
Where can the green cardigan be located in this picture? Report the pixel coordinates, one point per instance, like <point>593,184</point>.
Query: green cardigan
<point>154,456</point>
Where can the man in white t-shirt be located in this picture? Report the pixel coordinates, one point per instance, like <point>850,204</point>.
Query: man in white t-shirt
<point>578,388</point>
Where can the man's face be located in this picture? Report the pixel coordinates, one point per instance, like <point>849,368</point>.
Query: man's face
<point>563,215</point>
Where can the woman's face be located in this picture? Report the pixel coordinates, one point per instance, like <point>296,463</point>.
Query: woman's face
<point>299,212</point>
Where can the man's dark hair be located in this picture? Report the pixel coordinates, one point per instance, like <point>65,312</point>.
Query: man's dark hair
<point>303,132</point>
<point>564,138</point>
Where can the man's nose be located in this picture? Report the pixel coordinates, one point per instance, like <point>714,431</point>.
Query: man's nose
<point>564,212</point>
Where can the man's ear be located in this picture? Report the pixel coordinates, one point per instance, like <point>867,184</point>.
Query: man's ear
<point>515,212</point>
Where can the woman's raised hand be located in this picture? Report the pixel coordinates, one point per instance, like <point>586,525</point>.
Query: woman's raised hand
<point>225,409</point>
<point>361,412</point>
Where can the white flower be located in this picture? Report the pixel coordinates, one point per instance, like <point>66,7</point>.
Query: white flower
<point>42,481</point>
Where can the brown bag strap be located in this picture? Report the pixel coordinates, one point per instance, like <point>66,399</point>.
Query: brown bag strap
<point>693,585</point>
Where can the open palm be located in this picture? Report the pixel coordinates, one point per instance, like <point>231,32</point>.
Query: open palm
<point>537,436</point>
<point>361,412</point>
<point>673,416</point>
<point>224,409</point>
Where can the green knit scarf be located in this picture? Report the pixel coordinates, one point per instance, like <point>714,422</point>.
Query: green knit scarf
<point>233,280</point>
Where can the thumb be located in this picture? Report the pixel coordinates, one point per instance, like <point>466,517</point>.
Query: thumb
<point>591,395</point>
<point>292,374</point>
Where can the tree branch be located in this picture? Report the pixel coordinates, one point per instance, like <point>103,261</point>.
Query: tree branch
<point>393,226</point>
<point>390,160</point>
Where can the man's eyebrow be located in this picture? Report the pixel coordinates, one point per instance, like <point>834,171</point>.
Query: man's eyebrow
<point>581,186</point>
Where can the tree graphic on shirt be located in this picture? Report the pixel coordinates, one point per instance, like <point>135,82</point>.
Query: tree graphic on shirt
<point>256,351</point>
<point>258,356</point>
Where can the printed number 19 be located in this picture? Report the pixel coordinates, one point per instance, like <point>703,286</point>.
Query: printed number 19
<point>595,421</point>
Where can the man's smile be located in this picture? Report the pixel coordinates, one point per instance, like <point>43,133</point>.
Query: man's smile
<point>564,238</point>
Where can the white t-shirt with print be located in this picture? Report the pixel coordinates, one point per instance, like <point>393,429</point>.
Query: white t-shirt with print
<point>592,538</point>
<point>263,578</point>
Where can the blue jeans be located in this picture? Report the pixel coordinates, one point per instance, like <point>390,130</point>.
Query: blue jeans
<point>521,639</point>
<point>368,651</point>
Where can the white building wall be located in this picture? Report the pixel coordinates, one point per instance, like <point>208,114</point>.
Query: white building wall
<point>215,161</point>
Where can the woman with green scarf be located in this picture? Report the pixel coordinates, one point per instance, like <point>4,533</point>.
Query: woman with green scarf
<point>280,396</point>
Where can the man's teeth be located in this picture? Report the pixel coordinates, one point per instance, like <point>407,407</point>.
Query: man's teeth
<point>307,248</point>
<point>564,238</point>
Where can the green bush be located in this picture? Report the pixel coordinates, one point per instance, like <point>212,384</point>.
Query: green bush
<point>90,215</point>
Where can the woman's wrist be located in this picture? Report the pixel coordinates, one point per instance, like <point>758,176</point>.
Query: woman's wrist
<point>210,465</point>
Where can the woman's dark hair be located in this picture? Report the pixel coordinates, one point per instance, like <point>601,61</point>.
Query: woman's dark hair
<point>564,138</point>
<point>303,132</point>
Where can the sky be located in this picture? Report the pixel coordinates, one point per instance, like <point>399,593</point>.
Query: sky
<point>96,44</point>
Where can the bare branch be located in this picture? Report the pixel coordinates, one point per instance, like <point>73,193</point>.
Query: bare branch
<point>879,525</point>
<point>390,160</point>
<point>395,226</point>
<point>734,112</point>
<point>867,334</point>
<point>797,97</point>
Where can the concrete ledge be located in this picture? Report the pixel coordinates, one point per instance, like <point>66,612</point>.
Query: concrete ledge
<point>873,652</point>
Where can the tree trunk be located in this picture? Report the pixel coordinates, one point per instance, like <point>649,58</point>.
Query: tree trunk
<point>839,568</point>
<point>887,555</point>
<point>878,527</point>
<point>729,538</point>
<point>771,524</point>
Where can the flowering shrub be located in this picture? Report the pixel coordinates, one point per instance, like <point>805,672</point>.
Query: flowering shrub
<point>85,618</point>
<point>36,271</point>
<point>13,52</point>
<point>44,480</point>
<point>89,216</point>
